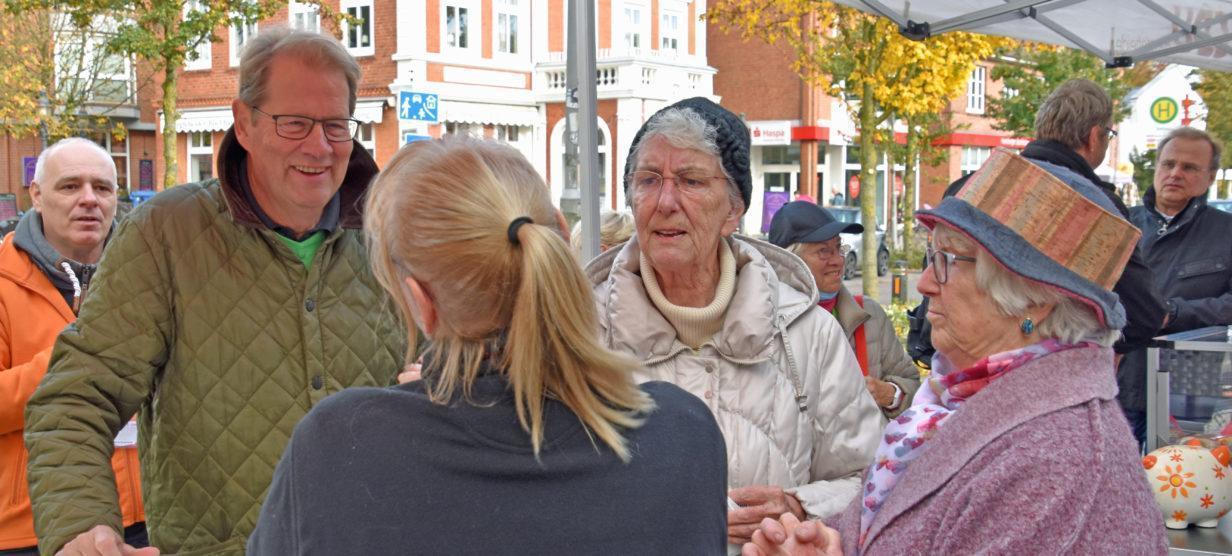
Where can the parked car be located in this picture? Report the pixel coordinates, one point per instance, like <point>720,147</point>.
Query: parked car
<point>1222,204</point>
<point>854,242</point>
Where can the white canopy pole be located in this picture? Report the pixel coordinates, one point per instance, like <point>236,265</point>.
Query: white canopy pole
<point>582,132</point>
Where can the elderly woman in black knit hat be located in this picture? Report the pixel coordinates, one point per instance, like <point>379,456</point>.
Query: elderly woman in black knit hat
<point>734,321</point>
<point>1016,443</point>
<point>812,233</point>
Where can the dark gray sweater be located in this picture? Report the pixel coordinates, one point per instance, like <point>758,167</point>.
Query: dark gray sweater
<point>386,471</point>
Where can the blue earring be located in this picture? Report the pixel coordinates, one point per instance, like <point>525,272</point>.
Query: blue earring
<point>1027,326</point>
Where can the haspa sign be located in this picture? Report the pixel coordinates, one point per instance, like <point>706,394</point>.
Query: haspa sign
<point>770,133</point>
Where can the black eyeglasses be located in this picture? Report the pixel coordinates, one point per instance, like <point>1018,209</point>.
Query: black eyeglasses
<point>941,261</point>
<point>1112,133</point>
<point>289,126</point>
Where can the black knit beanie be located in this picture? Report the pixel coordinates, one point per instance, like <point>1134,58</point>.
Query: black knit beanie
<point>731,136</point>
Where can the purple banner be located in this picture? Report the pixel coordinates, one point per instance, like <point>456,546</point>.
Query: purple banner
<point>771,203</point>
<point>28,163</point>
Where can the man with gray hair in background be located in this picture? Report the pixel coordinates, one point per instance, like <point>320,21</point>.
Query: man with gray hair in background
<point>224,311</point>
<point>46,266</point>
<point>1073,129</point>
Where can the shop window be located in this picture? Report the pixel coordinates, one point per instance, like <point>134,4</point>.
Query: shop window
<point>777,181</point>
<point>200,156</point>
<point>973,158</point>
<point>367,137</point>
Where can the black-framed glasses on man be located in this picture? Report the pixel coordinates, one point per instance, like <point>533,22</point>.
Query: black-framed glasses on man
<point>291,126</point>
<point>941,261</point>
<point>1112,133</point>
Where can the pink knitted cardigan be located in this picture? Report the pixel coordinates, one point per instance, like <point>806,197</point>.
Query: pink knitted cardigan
<point>1039,462</point>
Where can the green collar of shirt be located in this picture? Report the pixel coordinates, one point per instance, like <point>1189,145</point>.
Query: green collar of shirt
<point>305,249</point>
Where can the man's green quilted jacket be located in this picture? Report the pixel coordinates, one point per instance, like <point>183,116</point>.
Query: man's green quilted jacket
<point>205,322</point>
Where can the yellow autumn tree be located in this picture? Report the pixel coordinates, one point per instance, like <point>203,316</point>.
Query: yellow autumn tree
<point>882,74</point>
<point>52,81</point>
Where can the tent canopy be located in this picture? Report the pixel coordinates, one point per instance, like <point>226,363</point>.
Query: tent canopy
<point>1120,32</point>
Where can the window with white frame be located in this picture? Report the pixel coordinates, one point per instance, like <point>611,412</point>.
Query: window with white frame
<point>118,149</point>
<point>358,36</point>
<point>457,26</point>
<point>200,156</point>
<point>975,91</point>
<point>508,133</point>
<point>202,60</point>
<point>669,32</point>
<point>507,26</point>
<point>973,158</point>
<point>367,137</point>
<point>633,27</point>
<point>305,17</point>
<point>240,34</point>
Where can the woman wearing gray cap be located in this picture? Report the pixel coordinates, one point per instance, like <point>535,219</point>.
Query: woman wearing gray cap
<point>734,321</point>
<point>812,233</point>
<point>1017,444</point>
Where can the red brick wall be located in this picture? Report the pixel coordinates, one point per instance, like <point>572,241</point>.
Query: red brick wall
<point>605,24</point>
<point>556,26</point>
<point>754,78</point>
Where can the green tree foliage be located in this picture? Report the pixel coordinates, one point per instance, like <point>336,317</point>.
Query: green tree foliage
<point>1030,72</point>
<point>1144,169</point>
<point>1216,90</point>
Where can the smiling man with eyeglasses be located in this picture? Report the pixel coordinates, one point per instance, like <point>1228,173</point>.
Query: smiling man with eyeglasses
<point>223,311</point>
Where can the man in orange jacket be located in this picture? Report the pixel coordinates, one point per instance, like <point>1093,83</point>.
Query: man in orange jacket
<point>45,270</point>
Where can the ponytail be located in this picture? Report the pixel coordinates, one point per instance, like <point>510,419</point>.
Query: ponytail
<point>512,295</point>
<point>552,347</point>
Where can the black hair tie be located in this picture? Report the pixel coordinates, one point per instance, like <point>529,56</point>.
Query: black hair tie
<point>512,232</point>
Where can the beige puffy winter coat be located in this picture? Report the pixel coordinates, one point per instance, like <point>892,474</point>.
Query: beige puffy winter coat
<point>779,376</point>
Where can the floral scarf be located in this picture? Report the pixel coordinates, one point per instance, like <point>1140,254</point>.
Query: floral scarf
<point>946,391</point>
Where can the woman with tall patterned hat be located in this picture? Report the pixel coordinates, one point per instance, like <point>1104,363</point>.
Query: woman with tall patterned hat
<point>1015,444</point>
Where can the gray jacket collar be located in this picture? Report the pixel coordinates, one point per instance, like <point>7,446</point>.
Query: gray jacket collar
<point>29,238</point>
<point>772,288</point>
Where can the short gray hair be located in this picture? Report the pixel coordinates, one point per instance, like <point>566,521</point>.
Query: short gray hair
<point>40,167</point>
<point>1069,113</point>
<point>316,49</point>
<point>1071,320</point>
<point>684,128</point>
<point>1195,134</point>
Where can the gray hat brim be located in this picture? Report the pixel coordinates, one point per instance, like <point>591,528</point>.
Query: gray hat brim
<point>827,232</point>
<point>1018,256</point>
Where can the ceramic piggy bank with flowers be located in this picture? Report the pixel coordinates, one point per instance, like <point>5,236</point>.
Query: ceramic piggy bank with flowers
<point>1192,483</point>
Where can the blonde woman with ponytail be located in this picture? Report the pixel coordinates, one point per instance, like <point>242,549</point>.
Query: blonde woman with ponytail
<point>526,435</point>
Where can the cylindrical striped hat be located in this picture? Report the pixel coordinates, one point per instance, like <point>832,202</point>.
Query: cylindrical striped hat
<point>1047,224</point>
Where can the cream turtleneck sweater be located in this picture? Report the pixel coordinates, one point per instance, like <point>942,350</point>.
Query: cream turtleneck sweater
<point>695,325</point>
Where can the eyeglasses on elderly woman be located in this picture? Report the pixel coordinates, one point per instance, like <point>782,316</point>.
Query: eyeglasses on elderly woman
<point>941,261</point>
<point>646,182</point>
